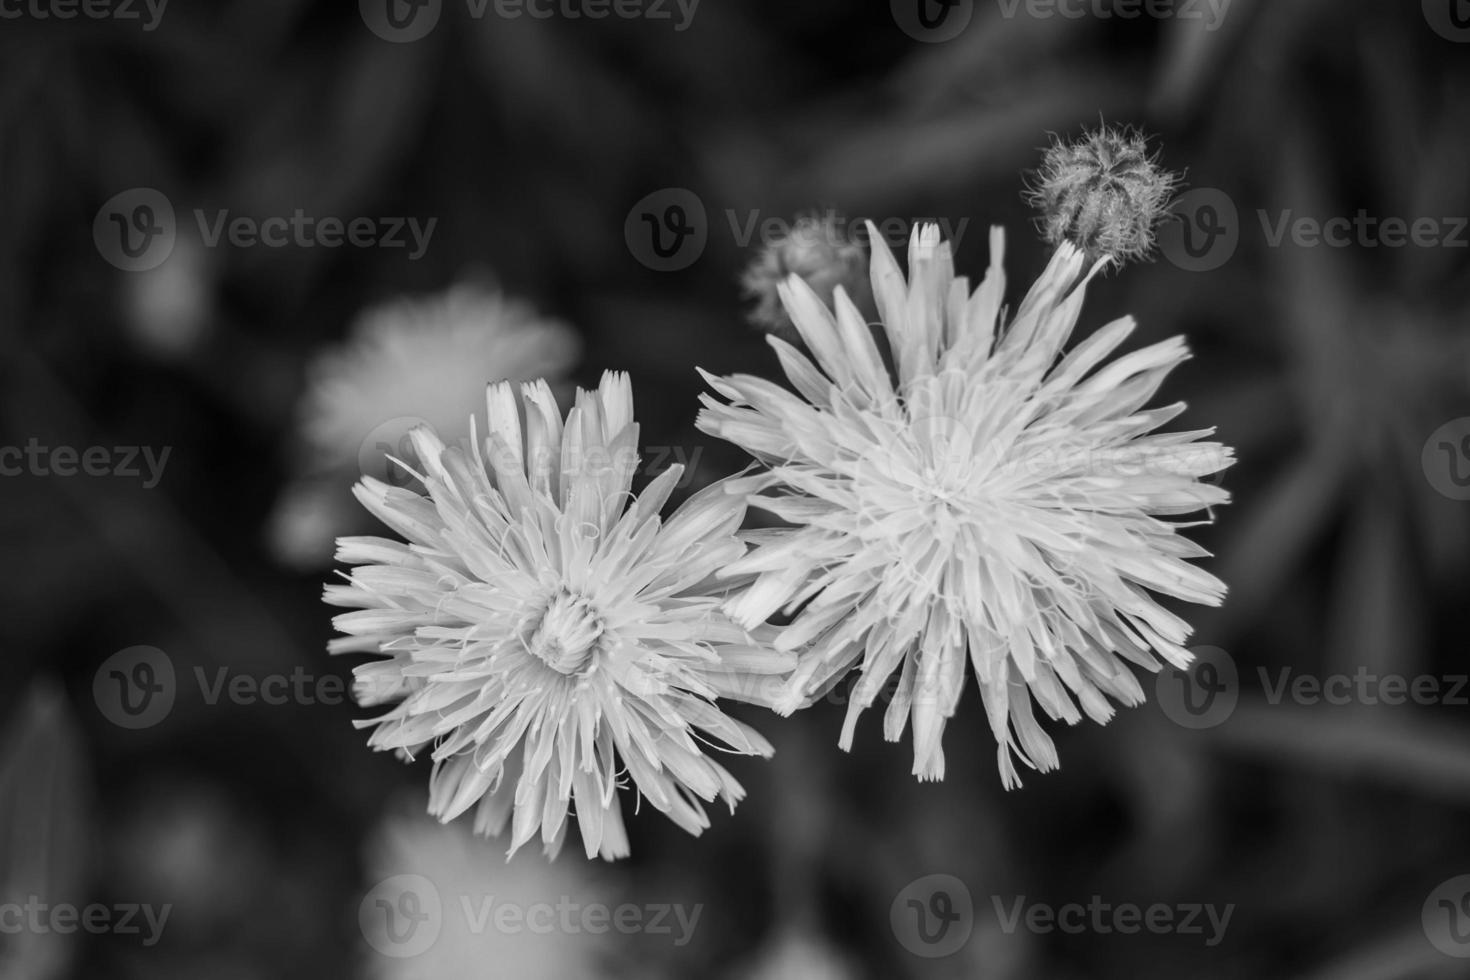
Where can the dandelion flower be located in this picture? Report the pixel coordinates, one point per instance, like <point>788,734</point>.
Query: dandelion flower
<point>405,361</point>
<point>991,498</point>
<point>543,628</point>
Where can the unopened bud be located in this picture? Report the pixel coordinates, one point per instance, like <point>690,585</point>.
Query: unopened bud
<point>1104,193</point>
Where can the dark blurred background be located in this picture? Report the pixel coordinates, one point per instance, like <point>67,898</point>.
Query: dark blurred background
<point>1337,364</point>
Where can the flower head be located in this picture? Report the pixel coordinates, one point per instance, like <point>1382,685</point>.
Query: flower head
<point>990,499</point>
<point>819,250</point>
<point>1105,193</point>
<point>405,362</point>
<point>542,628</point>
<point>427,358</point>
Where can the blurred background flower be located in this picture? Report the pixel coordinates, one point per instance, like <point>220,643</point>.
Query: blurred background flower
<point>405,363</point>
<point>471,883</point>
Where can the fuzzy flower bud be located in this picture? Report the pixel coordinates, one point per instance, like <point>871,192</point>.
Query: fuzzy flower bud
<point>817,248</point>
<point>1104,193</point>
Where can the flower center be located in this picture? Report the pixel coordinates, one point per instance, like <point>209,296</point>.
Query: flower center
<point>567,634</point>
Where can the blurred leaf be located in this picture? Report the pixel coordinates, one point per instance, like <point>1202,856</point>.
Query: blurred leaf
<point>1390,955</point>
<point>1193,51</point>
<point>886,160</point>
<point>1430,758</point>
<point>1273,530</point>
<point>1377,620</point>
<point>45,833</point>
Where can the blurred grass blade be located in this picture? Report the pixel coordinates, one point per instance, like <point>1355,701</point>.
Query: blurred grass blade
<point>44,832</point>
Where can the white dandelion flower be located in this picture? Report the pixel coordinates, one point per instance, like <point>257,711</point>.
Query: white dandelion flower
<point>544,628</point>
<point>995,498</point>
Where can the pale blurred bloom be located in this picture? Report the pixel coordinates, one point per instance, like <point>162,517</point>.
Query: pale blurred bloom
<point>820,251</point>
<point>308,518</point>
<point>169,308</point>
<point>428,358</point>
<point>471,889</point>
<point>997,499</point>
<point>797,953</point>
<point>404,363</point>
<point>545,629</point>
